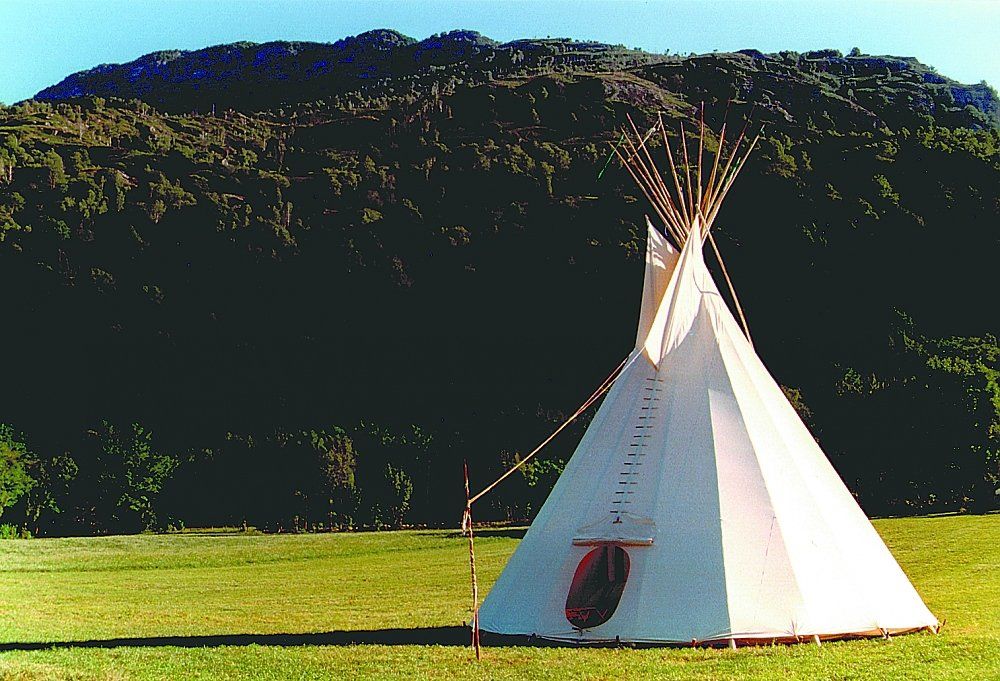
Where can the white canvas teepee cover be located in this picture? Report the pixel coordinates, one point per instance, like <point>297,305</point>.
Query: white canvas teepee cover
<point>735,524</point>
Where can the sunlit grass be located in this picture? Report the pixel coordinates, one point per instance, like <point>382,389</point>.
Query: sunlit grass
<point>183,587</point>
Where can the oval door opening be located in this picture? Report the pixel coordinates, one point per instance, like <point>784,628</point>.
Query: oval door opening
<point>597,586</point>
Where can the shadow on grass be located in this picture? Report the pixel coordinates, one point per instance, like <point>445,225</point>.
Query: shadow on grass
<point>418,636</point>
<point>502,532</point>
<point>423,636</point>
<point>505,532</point>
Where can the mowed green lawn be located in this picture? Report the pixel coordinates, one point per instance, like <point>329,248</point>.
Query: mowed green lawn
<point>288,607</point>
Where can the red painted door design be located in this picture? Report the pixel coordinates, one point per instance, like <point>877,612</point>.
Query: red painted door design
<point>597,586</point>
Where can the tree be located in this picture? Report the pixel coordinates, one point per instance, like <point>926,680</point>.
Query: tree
<point>79,161</point>
<point>116,187</point>
<point>777,150</point>
<point>525,493</point>
<point>50,494</point>
<point>394,506</point>
<point>8,210</point>
<point>336,499</point>
<point>55,169</point>
<point>7,163</point>
<point>128,475</point>
<point>547,173</point>
<point>164,194</point>
<point>963,375</point>
<point>386,486</point>
<point>925,423</point>
<point>15,460</point>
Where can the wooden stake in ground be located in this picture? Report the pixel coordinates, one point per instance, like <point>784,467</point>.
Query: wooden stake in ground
<point>467,522</point>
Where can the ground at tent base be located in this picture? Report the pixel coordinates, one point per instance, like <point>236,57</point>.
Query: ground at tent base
<point>492,639</point>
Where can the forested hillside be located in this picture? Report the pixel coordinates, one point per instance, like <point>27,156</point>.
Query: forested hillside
<point>296,285</point>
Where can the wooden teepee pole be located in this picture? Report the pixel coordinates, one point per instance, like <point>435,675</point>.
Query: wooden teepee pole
<point>701,147</point>
<point>710,187</point>
<point>729,182</point>
<point>660,186</point>
<point>714,197</point>
<point>657,190</point>
<point>642,186</point>
<point>687,174</point>
<point>467,522</point>
<point>696,199</point>
<point>673,171</point>
<point>732,289</point>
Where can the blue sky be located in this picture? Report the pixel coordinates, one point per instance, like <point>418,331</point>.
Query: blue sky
<point>45,40</point>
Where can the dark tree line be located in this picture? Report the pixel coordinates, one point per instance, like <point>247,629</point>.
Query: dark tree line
<point>123,479</point>
<point>194,303</point>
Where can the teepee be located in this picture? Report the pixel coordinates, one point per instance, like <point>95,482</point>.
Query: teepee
<point>697,508</point>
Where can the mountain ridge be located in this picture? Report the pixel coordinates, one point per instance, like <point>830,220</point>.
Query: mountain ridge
<point>379,53</point>
<point>256,76</point>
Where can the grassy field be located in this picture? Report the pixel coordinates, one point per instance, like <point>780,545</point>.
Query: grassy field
<point>389,605</point>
